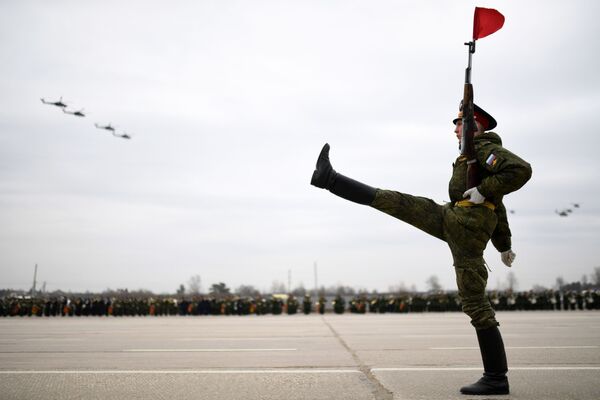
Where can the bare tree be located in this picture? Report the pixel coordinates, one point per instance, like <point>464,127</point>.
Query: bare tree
<point>195,284</point>
<point>596,276</point>
<point>278,287</point>
<point>219,289</point>
<point>560,282</point>
<point>322,291</point>
<point>342,290</point>
<point>181,290</point>
<point>399,288</point>
<point>511,281</point>
<point>584,280</point>
<point>299,291</point>
<point>539,288</point>
<point>247,291</point>
<point>433,283</point>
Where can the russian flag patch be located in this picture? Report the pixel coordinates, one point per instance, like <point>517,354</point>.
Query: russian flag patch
<point>491,160</point>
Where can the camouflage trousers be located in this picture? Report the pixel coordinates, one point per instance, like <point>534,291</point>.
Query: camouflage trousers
<point>467,231</point>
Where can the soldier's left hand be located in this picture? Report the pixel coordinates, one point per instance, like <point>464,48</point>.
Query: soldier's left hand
<point>474,196</point>
<point>508,257</point>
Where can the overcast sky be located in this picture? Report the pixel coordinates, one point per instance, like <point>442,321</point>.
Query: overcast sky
<point>229,104</point>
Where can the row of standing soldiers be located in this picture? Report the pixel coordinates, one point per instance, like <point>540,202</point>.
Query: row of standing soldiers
<point>546,300</point>
<point>166,306</point>
<point>203,305</point>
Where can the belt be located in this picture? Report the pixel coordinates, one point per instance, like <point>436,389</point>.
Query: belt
<point>467,203</point>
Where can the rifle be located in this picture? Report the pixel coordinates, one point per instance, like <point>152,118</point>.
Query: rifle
<point>485,22</point>
<point>467,147</point>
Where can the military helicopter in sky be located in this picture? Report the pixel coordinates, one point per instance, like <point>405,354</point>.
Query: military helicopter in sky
<point>78,113</point>
<point>124,135</point>
<point>564,213</point>
<point>108,127</point>
<point>58,103</point>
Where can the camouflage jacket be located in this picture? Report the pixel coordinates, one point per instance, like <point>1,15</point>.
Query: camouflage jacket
<point>501,172</point>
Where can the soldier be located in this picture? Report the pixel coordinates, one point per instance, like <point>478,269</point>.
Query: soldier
<point>321,305</point>
<point>252,307</point>
<point>392,304</point>
<point>511,301</point>
<point>552,299</point>
<point>521,301</point>
<point>579,300</point>
<point>307,304</point>
<point>559,300</point>
<point>382,303</point>
<point>595,299</point>
<point>532,300</point>
<point>277,305</point>
<point>374,304</point>
<point>292,305</point>
<point>261,306</point>
<point>361,304</point>
<point>339,304</point>
<point>466,225</point>
<point>419,303</point>
<point>495,299</point>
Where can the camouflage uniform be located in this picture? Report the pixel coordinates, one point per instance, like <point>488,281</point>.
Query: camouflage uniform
<point>467,230</point>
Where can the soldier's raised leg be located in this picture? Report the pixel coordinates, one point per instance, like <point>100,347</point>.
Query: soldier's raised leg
<point>420,212</point>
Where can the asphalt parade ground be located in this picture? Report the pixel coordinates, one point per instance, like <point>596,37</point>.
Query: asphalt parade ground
<point>552,355</point>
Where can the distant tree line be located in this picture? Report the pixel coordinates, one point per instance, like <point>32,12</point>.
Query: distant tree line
<point>221,290</point>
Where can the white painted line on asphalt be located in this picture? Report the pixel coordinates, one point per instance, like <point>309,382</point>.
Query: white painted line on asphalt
<point>566,368</point>
<point>425,335</point>
<point>184,372</point>
<point>52,340</point>
<point>518,347</point>
<point>425,369</point>
<point>201,350</point>
<point>219,339</point>
<point>42,340</point>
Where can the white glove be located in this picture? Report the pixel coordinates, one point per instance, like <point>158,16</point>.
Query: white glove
<point>474,196</point>
<point>508,257</point>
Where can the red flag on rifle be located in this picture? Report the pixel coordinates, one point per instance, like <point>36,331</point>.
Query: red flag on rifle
<point>486,22</point>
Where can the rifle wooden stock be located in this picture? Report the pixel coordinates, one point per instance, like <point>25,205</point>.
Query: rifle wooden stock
<point>467,147</point>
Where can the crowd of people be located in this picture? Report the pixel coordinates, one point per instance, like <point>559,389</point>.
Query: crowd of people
<point>97,305</point>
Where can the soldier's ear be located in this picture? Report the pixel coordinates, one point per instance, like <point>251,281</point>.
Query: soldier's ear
<point>480,128</point>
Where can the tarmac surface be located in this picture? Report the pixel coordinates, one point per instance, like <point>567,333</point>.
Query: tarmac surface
<point>552,355</point>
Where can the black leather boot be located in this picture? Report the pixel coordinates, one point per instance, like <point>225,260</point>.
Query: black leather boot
<point>494,380</point>
<point>325,177</point>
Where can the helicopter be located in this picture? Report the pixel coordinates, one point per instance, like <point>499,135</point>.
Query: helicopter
<point>58,103</point>
<point>124,135</point>
<point>108,127</point>
<point>566,211</point>
<point>78,113</point>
